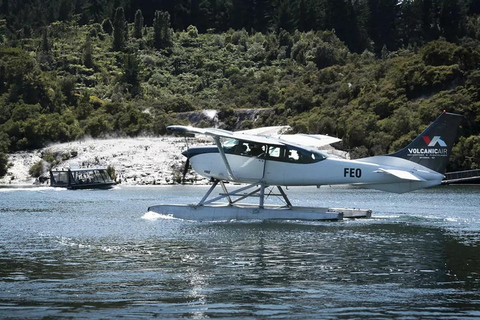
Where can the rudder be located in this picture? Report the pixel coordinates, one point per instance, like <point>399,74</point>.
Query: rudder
<point>433,146</point>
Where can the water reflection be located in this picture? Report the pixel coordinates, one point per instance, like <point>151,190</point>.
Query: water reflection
<point>100,259</point>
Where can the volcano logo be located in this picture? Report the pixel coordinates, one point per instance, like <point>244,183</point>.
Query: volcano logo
<point>433,142</point>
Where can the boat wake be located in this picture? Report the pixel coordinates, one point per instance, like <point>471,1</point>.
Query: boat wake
<point>155,216</point>
<point>11,188</point>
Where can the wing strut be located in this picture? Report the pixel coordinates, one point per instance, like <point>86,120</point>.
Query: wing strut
<point>224,157</point>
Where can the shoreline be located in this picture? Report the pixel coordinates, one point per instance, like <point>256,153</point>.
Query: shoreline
<point>137,161</point>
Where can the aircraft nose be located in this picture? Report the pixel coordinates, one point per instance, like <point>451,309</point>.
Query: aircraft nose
<point>191,152</point>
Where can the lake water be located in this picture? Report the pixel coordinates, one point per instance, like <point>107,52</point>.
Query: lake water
<point>97,254</point>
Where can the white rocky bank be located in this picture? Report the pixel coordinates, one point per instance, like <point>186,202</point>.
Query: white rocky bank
<point>136,161</point>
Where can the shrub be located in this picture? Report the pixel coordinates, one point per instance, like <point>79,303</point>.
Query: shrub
<point>3,164</point>
<point>36,169</point>
<point>192,31</point>
<point>111,173</point>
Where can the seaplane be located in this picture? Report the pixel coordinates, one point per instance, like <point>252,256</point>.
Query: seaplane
<point>261,165</point>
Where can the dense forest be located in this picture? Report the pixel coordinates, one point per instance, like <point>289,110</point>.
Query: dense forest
<point>372,72</point>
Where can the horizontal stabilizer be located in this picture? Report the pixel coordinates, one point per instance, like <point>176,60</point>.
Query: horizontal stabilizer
<point>401,174</point>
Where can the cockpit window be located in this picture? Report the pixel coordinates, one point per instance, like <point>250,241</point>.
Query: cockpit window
<point>276,153</point>
<point>244,148</point>
<point>229,143</point>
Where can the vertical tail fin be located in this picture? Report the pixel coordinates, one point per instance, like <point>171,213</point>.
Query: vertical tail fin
<point>434,145</point>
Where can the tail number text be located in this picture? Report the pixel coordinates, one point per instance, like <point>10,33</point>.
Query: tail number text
<point>352,172</point>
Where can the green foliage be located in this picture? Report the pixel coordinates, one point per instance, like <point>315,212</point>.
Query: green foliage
<point>131,70</point>
<point>3,155</point>
<point>466,153</point>
<point>438,53</point>
<point>138,25</point>
<point>111,173</point>
<point>119,30</point>
<point>3,164</point>
<point>107,26</point>
<point>36,169</point>
<point>192,31</point>
<point>310,80</point>
<point>162,35</point>
<point>88,53</point>
<point>45,41</point>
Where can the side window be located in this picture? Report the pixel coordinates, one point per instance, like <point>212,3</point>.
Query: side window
<point>275,153</point>
<point>292,155</point>
<point>256,149</point>
<point>306,157</point>
<point>302,156</point>
<point>229,145</point>
<point>241,148</point>
<point>248,148</point>
<point>318,156</point>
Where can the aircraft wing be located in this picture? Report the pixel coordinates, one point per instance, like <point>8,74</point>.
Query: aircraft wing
<point>266,131</point>
<point>266,135</point>
<point>204,131</point>
<point>309,140</point>
<point>306,140</point>
<point>401,174</point>
<point>226,134</point>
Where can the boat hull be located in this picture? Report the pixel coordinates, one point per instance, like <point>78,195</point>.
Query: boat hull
<point>102,186</point>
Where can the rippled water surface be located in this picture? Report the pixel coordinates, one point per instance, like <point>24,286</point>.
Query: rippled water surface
<point>98,254</point>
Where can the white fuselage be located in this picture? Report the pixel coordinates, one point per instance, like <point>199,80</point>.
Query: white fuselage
<point>329,171</point>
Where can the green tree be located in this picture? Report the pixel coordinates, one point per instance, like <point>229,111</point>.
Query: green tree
<point>382,23</point>
<point>107,26</point>
<point>138,25</point>
<point>283,16</point>
<point>162,36</point>
<point>93,10</point>
<point>119,30</point>
<point>429,25</point>
<point>45,41</point>
<point>65,10</point>
<point>3,164</point>
<point>452,19</point>
<point>88,52</point>
<point>3,30</point>
<point>131,70</point>
<point>3,157</point>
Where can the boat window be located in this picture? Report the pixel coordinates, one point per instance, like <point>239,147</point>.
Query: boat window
<point>60,178</point>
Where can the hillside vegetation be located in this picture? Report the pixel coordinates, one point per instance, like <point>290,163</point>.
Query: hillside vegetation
<point>115,74</point>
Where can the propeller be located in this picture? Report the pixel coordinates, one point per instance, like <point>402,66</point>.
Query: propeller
<point>185,169</point>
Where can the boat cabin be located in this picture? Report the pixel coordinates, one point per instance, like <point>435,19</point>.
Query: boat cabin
<point>91,178</point>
